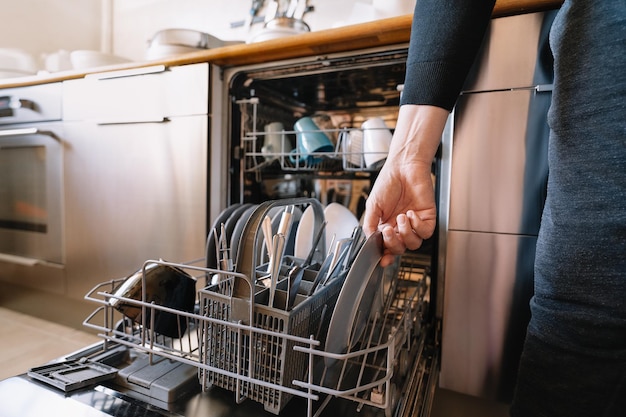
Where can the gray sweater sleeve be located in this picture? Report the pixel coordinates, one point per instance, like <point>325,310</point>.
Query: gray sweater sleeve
<point>445,38</point>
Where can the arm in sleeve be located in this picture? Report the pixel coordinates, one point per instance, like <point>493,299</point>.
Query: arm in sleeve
<point>445,38</point>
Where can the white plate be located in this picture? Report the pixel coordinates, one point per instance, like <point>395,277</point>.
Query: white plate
<point>340,222</point>
<point>304,234</point>
<point>356,298</point>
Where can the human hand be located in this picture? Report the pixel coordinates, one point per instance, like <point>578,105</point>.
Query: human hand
<point>401,206</point>
<point>402,202</point>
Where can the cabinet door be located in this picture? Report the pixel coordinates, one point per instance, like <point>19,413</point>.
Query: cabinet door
<point>133,192</point>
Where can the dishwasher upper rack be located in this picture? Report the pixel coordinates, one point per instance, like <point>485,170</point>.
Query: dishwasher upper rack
<point>376,359</point>
<point>345,157</point>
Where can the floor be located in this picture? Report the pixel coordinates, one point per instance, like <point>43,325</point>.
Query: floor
<point>36,327</point>
<point>34,330</point>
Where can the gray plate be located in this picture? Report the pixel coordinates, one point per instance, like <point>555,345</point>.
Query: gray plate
<point>355,300</point>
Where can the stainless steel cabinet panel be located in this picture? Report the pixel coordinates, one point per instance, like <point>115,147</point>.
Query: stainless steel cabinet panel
<point>489,280</point>
<point>507,57</point>
<point>493,185</point>
<point>133,192</point>
<point>498,170</point>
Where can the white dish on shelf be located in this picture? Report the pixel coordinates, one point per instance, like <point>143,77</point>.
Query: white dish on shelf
<point>175,41</point>
<point>16,63</point>
<point>85,59</point>
<point>13,74</point>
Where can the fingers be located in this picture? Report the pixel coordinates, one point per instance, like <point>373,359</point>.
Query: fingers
<point>387,259</point>
<point>423,227</point>
<point>404,236</point>
<point>407,226</point>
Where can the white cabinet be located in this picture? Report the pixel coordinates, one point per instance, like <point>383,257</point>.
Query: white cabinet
<point>135,171</point>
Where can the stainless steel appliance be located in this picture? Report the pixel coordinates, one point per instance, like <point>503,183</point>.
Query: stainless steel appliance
<point>427,331</point>
<point>31,175</point>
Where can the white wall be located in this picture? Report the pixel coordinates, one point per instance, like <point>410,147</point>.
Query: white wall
<point>124,27</point>
<point>45,26</point>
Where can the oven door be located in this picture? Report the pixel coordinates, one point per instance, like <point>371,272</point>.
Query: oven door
<point>31,195</point>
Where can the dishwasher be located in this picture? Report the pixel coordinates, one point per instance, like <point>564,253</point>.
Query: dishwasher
<point>277,329</point>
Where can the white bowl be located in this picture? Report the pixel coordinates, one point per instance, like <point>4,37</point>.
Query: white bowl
<point>14,74</point>
<point>57,61</point>
<point>84,59</point>
<point>171,42</point>
<point>160,51</point>
<point>16,62</point>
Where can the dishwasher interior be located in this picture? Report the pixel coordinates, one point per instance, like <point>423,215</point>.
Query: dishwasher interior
<point>343,95</point>
<point>270,330</point>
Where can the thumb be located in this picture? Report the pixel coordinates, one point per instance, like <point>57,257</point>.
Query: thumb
<point>371,219</point>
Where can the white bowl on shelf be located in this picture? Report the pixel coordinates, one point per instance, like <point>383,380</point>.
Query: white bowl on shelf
<point>170,42</point>
<point>16,63</point>
<point>14,74</point>
<point>164,51</point>
<point>85,59</point>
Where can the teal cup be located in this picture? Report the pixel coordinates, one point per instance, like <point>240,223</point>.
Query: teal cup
<point>310,142</point>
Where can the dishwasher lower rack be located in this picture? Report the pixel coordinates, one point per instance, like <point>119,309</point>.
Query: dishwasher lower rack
<point>280,355</point>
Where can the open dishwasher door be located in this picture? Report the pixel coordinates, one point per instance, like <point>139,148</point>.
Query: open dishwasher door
<point>348,96</point>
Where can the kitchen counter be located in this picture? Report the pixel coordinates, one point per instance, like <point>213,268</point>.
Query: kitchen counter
<point>391,31</point>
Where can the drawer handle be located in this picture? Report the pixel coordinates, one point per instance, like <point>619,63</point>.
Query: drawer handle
<point>129,122</point>
<point>28,131</point>
<point>155,69</point>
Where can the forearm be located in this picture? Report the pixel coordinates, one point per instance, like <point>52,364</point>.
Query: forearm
<point>417,134</point>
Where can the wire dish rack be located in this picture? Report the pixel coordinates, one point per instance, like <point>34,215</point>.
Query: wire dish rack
<point>282,355</point>
<point>349,154</point>
<point>268,353</point>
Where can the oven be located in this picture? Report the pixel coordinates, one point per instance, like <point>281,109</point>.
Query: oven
<point>31,175</point>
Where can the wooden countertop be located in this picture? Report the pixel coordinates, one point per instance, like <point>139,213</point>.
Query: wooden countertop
<point>391,31</point>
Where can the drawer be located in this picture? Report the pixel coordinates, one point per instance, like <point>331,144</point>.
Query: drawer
<point>144,94</point>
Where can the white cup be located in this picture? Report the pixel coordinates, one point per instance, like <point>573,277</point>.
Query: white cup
<point>352,147</point>
<point>376,140</point>
<point>57,61</point>
<point>276,143</point>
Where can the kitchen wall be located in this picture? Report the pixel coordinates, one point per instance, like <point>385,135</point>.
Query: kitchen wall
<point>44,26</point>
<point>124,27</point>
<point>134,22</point>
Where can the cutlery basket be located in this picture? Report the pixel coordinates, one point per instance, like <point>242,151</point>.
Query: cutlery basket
<point>260,361</point>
